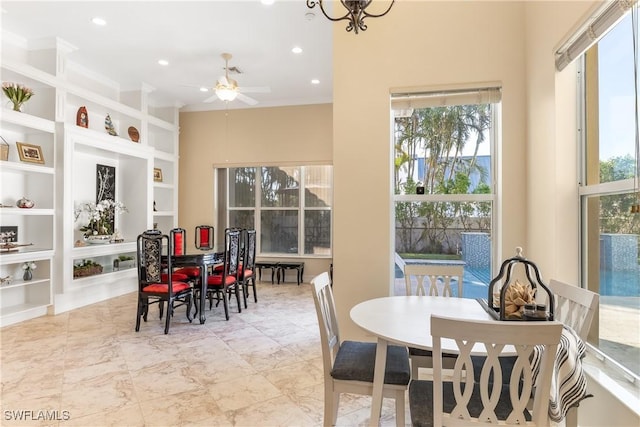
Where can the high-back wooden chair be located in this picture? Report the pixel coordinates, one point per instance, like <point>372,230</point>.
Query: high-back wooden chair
<point>178,237</point>
<point>154,287</point>
<point>349,365</point>
<point>488,402</point>
<point>219,286</point>
<point>204,237</point>
<point>438,280</point>
<point>248,264</point>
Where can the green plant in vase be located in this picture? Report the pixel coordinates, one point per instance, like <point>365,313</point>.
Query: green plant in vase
<point>18,94</point>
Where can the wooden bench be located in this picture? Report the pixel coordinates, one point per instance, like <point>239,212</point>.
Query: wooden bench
<point>267,264</point>
<point>283,266</point>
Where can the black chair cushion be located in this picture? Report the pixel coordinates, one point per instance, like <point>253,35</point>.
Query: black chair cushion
<point>427,353</point>
<point>355,361</point>
<point>506,365</point>
<point>421,402</point>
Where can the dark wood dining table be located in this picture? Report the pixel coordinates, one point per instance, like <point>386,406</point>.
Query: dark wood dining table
<point>204,260</point>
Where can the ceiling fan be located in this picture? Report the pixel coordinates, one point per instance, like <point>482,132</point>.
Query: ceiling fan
<point>227,89</point>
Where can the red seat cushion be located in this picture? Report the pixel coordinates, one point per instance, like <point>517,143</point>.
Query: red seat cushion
<point>176,277</point>
<point>248,273</point>
<point>218,268</point>
<point>189,271</point>
<point>163,288</point>
<point>216,280</point>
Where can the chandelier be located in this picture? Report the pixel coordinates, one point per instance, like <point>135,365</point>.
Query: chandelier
<point>356,12</point>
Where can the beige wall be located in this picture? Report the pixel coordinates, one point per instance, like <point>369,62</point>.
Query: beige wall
<point>256,136</point>
<point>552,191</point>
<point>419,44</point>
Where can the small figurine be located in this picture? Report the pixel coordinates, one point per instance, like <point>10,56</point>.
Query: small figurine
<point>108,125</point>
<point>82,118</point>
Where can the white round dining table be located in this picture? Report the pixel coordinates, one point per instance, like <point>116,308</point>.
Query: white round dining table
<point>405,320</point>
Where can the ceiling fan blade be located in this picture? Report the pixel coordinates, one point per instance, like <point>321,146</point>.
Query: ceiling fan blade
<point>246,99</point>
<point>211,99</point>
<point>254,89</point>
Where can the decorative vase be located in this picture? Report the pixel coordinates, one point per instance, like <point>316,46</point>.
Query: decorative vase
<point>28,275</point>
<point>17,106</point>
<point>25,203</point>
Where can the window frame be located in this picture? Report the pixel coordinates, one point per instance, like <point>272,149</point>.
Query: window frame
<point>300,208</point>
<point>495,138</point>
<point>622,375</point>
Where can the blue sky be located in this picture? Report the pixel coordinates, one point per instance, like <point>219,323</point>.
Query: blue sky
<point>617,134</point>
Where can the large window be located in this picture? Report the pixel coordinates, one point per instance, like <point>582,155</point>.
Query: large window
<point>444,181</point>
<point>610,237</point>
<point>289,206</point>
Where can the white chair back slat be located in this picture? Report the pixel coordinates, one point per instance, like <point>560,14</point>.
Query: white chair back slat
<point>494,339</point>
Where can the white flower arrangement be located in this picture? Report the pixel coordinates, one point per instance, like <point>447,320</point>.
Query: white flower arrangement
<point>29,265</point>
<point>100,215</point>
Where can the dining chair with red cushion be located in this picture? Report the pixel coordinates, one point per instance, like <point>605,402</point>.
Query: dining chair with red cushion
<point>248,264</point>
<point>179,240</point>
<point>152,286</point>
<point>204,237</point>
<point>220,286</point>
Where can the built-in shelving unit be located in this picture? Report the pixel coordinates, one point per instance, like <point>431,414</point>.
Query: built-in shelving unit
<point>67,178</point>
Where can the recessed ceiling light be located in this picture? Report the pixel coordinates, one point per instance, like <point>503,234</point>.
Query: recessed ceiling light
<point>315,81</point>
<point>296,49</point>
<point>99,21</point>
<point>267,2</point>
<point>204,89</point>
<point>163,62</point>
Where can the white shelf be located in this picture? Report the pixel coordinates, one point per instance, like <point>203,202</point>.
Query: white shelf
<point>26,212</point>
<point>24,254</point>
<point>8,166</point>
<point>22,283</point>
<point>72,154</point>
<point>164,213</point>
<point>91,251</point>
<point>23,122</point>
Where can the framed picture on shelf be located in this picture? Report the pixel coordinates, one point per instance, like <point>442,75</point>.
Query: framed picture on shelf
<point>30,153</point>
<point>157,174</point>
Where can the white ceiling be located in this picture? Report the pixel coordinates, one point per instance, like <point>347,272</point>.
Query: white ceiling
<point>191,35</point>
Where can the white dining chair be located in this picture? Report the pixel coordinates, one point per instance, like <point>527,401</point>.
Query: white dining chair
<point>461,400</point>
<point>349,365</point>
<point>439,279</point>
<point>574,306</point>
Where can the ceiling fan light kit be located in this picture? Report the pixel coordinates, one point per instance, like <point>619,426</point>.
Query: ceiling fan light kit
<point>227,89</point>
<point>356,12</point>
<point>226,93</point>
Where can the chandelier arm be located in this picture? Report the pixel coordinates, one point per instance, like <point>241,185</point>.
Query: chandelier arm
<point>312,3</point>
<point>372,15</point>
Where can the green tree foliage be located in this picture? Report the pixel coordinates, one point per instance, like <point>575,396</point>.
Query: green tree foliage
<point>615,210</point>
<point>438,135</point>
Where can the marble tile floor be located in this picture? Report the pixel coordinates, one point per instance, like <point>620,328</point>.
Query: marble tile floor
<point>88,367</point>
